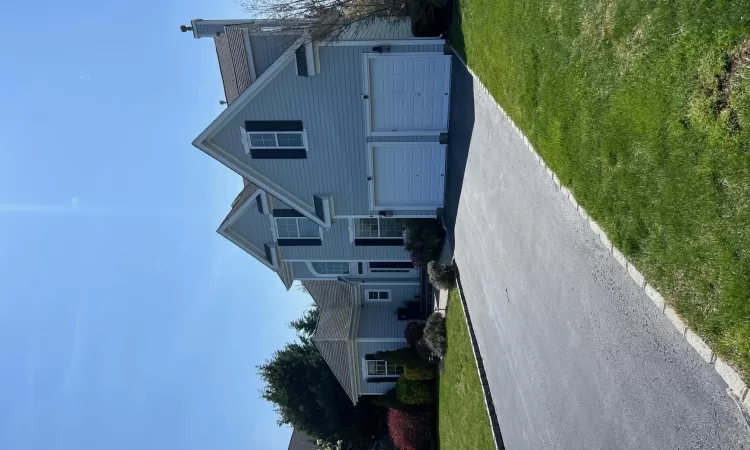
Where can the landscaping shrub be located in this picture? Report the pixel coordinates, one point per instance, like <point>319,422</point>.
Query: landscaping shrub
<point>406,356</point>
<point>390,400</point>
<point>409,431</point>
<point>413,392</point>
<point>425,352</point>
<point>421,373</point>
<point>413,333</point>
<point>442,276</point>
<point>423,238</point>
<point>435,335</point>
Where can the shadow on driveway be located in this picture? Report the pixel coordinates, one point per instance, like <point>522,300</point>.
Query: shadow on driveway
<point>461,126</point>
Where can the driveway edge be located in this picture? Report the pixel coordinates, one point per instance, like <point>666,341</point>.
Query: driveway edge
<point>489,405</point>
<point>737,390</point>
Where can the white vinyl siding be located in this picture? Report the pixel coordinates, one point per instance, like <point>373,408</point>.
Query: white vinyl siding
<point>330,105</point>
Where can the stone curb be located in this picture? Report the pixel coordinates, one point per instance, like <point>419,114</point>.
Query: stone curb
<point>738,390</point>
<point>489,404</point>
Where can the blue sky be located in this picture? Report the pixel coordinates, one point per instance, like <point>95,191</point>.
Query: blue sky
<point>126,322</point>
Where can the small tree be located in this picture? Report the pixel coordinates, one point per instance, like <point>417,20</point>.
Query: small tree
<point>442,276</point>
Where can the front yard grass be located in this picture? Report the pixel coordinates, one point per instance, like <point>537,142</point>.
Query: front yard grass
<point>463,422</point>
<point>643,110</point>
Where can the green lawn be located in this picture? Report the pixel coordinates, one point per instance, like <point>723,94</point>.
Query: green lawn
<point>462,417</point>
<point>642,108</point>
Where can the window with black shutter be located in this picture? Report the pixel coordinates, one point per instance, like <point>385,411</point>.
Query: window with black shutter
<point>275,139</point>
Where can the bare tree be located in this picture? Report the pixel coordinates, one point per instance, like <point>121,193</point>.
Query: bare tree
<point>325,19</point>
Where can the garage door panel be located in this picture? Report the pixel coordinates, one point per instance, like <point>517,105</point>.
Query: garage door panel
<point>409,93</point>
<point>408,176</point>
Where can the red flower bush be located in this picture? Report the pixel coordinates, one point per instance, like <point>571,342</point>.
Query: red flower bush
<point>408,430</point>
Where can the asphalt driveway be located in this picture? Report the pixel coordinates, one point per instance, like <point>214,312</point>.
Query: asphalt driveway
<point>576,355</point>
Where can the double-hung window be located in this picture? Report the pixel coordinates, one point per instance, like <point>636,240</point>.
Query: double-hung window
<point>378,231</point>
<point>294,230</point>
<point>274,139</point>
<point>380,368</point>
<point>297,228</point>
<point>377,295</point>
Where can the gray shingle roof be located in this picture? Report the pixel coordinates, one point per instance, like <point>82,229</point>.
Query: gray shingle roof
<point>302,441</point>
<point>241,198</point>
<point>233,62</point>
<point>337,302</point>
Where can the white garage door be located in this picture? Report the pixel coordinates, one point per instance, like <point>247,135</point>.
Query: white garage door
<point>408,175</point>
<point>409,94</point>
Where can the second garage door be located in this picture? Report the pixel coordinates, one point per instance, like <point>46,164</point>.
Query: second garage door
<point>408,93</point>
<point>408,175</point>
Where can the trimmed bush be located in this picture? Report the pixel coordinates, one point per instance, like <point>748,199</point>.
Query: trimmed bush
<point>435,336</point>
<point>423,238</point>
<point>425,352</point>
<point>406,356</point>
<point>390,400</point>
<point>413,333</point>
<point>412,392</point>
<point>419,373</point>
<point>409,431</point>
<point>442,276</point>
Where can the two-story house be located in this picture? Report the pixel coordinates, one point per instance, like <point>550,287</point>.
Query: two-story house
<point>337,141</point>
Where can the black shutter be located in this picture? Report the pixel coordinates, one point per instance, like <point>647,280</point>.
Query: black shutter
<point>279,212</point>
<point>273,125</point>
<point>268,252</point>
<point>301,59</point>
<point>381,379</point>
<point>278,153</point>
<point>299,242</point>
<point>362,242</point>
<point>391,265</point>
<point>260,205</point>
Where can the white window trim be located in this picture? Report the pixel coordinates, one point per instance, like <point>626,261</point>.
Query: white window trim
<point>352,269</point>
<point>248,145</point>
<point>366,374</point>
<point>378,300</point>
<point>275,221</point>
<point>379,228</point>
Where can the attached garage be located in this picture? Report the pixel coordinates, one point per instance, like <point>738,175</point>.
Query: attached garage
<point>408,93</point>
<point>407,175</point>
